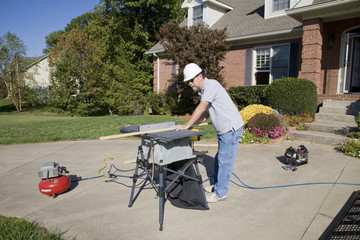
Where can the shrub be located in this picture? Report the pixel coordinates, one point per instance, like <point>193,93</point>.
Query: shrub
<point>251,110</point>
<point>158,103</point>
<point>292,95</point>
<point>351,148</point>
<point>247,95</point>
<point>265,125</point>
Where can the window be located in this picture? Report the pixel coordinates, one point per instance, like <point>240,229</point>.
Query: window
<point>262,66</point>
<point>281,4</point>
<point>271,63</point>
<point>198,15</point>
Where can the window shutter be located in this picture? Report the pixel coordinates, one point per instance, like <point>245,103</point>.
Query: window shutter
<point>293,71</point>
<point>248,66</point>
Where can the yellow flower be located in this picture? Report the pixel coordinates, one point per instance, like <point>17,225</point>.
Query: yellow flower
<point>251,110</point>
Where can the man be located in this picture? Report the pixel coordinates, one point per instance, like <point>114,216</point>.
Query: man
<point>227,121</point>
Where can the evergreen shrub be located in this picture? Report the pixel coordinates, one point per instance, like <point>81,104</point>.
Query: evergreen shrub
<point>248,95</point>
<point>159,103</point>
<point>292,95</point>
<point>265,124</point>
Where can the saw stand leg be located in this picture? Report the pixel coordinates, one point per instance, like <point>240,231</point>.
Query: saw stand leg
<point>145,172</point>
<point>161,197</point>
<point>131,202</point>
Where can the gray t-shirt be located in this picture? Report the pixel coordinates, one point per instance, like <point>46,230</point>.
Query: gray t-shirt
<point>223,112</point>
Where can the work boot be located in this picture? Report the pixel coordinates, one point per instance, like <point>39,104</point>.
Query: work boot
<point>209,189</point>
<point>212,197</point>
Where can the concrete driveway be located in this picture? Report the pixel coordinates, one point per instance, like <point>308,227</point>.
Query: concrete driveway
<point>97,209</point>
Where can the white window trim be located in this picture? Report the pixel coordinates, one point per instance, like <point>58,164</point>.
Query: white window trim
<point>270,13</point>
<point>202,15</point>
<point>212,10</point>
<point>253,80</point>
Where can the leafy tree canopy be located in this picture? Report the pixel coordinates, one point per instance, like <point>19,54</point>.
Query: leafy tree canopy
<point>197,44</point>
<point>120,32</point>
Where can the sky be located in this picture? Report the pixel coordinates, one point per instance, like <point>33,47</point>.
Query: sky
<point>33,20</point>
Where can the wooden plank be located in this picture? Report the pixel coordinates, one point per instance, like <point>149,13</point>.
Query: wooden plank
<point>117,136</point>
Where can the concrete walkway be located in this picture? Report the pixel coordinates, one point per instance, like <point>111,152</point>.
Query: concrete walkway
<point>95,209</point>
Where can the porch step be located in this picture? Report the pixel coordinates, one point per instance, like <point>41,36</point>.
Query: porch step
<point>319,137</point>
<point>332,110</point>
<point>337,127</point>
<point>334,120</point>
<point>335,117</point>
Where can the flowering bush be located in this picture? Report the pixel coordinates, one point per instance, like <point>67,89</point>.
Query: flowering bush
<point>298,120</point>
<point>265,125</point>
<point>276,131</point>
<point>251,110</point>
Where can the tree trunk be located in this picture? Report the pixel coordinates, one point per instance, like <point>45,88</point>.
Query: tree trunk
<point>18,86</point>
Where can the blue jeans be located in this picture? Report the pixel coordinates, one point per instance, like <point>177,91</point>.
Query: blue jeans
<point>224,160</point>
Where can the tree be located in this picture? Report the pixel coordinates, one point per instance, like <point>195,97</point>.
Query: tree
<point>123,31</point>
<point>12,74</point>
<point>80,22</point>
<point>74,79</point>
<point>52,39</point>
<point>197,44</point>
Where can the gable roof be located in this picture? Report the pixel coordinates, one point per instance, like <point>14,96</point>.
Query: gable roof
<point>35,60</point>
<point>246,22</point>
<point>247,18</point>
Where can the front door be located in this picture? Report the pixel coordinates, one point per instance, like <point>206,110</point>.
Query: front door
<point>352,61</point>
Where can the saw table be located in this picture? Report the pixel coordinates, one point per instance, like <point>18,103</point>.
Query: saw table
<point>156,153</point>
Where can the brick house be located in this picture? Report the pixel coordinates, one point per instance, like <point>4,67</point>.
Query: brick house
<point>313,39</point>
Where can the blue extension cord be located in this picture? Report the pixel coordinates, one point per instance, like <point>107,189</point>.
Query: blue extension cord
<point>247,186</point>
<point>295,185</point>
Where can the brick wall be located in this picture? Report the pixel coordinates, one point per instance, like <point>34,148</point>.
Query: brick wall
<point>165,73</point>
<point>337,97</point>
<point>234,67</point>
<point>312,52</point>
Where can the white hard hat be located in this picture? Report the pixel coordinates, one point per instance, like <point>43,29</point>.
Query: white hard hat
<point>190,71</point>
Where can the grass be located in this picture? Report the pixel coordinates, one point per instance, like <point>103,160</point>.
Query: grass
<point>12,228</point>
<point>35,127</point>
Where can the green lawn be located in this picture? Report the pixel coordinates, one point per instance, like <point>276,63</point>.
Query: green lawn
<point>41,127</point>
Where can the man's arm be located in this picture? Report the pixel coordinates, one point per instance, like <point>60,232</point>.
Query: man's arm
<point>198,116</point>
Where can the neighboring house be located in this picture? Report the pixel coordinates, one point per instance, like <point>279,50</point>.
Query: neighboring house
<point>314,39</point>
<point>39,68</point>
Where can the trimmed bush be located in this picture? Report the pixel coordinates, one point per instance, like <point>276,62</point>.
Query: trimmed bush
<point>265,125</point>
<point>292,95</point>
<point>251,110</point>
<point>247,95</point>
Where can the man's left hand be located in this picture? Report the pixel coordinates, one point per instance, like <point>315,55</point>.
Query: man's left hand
<point>178,127</point>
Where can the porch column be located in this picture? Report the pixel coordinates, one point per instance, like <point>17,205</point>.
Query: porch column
<point>312,42</point>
